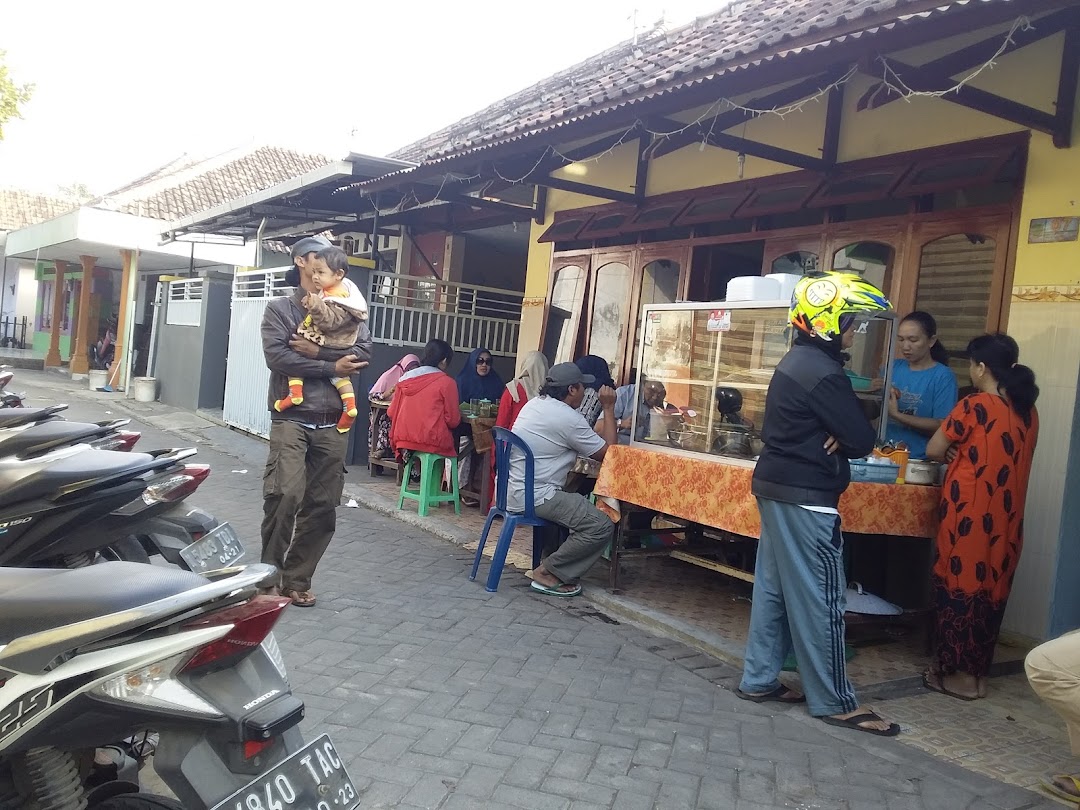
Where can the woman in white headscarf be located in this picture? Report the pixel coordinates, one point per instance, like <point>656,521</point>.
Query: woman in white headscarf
<point>526,384</point>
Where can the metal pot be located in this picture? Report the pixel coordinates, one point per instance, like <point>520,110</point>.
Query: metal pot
<point>925,473</point>
<point>733,440</point>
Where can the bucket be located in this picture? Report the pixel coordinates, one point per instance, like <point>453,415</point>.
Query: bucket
<point>99,378</point>
<point>145,389</point>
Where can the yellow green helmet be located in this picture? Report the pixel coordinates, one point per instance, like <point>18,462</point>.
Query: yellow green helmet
<point>824,304</point>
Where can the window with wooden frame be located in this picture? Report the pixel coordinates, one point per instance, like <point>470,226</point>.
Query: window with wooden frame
<point>567,225</point>
<point>566,301</point>
<point>775,197</point>
<point>718,205</point>
<point>858,186</point>
<point>944,173</point>
<point>653,217</point>
<point>606,223</point>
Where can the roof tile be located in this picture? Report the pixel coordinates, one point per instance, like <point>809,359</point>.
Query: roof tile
<point>19,209</point>
<point>187,186</point>
<point>754,27</point>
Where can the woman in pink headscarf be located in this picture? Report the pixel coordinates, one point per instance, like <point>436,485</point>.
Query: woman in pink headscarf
<point>383,391</point>
<point>525,385</point>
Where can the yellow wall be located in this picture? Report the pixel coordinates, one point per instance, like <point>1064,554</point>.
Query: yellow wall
<point>1028,75</point>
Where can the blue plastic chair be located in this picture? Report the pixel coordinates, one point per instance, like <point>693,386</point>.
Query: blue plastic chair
<point>505,441</point>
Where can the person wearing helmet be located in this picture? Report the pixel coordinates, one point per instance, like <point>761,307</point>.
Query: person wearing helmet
<point>813,424</point>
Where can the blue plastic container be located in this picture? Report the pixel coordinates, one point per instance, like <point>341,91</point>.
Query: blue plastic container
<point>863,473</point>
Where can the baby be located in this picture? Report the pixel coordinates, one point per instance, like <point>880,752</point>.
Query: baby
<point>333,320</point>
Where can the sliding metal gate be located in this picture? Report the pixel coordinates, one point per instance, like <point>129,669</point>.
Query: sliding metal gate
<point>246,375</point>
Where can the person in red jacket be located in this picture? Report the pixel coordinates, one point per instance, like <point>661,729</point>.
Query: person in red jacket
<point>530,377</point>
<point>425,409</point>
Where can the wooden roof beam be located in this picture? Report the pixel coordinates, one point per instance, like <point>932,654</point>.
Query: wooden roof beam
<point>921,79</point>
<point>585,188</point>
<point>666,144</point>
<point>1066,95</point>
<point>764,150</point>
<point>522,211</point>
<point>980,52</point>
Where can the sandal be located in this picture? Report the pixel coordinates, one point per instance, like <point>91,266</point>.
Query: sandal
<point>300,598</point>
<point>555,590</point>
<point>778,695</point>
<point>938,685</point>
<point>865,717</point>
<point>1049,784</point>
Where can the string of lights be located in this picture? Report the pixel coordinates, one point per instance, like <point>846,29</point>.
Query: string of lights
<point>890,80</point>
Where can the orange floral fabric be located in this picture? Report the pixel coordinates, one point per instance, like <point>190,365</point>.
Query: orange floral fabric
<point>718,495</point>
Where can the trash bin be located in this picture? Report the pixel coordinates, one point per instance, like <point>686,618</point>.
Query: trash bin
<point>145,389</point>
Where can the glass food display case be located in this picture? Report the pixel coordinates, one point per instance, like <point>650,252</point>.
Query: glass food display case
<point>715,361</point>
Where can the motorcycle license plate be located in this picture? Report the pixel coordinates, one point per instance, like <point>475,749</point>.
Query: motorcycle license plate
<point>314,778</point>
<point>216,549</point>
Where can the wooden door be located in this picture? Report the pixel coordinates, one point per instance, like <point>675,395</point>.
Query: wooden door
<point>563,322</point>
<point>875,253</point>
<point>661,276</point>
<point>800,254</point>
<point>612,288</point>
<point>956,270</point>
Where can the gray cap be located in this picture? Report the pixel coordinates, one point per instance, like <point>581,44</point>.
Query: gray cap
<point>567,374</point>
<point>310,244</point>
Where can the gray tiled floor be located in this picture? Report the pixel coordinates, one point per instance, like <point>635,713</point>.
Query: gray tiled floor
<point>444,696</point>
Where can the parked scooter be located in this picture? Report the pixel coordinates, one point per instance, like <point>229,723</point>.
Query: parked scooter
<point>60,508</point>
<point>102,653</point>
<point>155,523</point>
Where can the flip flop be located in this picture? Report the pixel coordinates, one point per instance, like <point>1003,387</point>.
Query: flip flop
<point>301,598</point>
<point>1049,786</point>
<point>853,723</point>
<point>776,695</point>
<point>553,590</point>
<point>939,686</point>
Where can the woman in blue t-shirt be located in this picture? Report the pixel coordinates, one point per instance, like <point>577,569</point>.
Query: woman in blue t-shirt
<point>923,387</point>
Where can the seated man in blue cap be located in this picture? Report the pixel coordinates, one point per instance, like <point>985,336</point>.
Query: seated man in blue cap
<point>557,434</point>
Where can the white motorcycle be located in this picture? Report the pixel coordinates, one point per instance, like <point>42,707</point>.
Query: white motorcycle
<point>123,651</point>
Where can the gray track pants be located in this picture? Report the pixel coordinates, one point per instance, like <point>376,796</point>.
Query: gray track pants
<point>799,604</point>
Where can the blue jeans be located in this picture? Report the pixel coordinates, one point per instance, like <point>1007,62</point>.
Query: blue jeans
<point>799,605</point>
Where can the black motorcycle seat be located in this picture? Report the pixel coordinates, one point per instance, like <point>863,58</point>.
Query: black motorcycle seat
<point>14,417</point>
<point>45,435</point>
<point>39,478</point>
<point>37,599</point>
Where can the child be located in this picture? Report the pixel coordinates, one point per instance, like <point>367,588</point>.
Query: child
<point>333,319</point>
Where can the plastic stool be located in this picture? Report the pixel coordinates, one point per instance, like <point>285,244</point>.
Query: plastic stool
<point>430,490</point>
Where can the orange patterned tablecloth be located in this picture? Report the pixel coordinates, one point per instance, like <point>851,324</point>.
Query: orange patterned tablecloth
<point>718,495</point>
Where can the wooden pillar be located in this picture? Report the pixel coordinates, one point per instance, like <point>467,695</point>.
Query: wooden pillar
<point>80,362</point>
<point>52,358</point>
<point>116,376</point>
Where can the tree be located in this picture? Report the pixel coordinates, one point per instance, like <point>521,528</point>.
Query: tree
<point>12,96</point>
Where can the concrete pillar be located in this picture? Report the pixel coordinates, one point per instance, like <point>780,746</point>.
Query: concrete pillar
<point>52,358</point>
<point>122,337</point>
<point>80,362</point>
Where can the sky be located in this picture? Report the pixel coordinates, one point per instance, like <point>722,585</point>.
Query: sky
<point>124,86</point>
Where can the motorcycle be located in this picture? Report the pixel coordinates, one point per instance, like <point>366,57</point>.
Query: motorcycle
<point>85,662</point>
<point>37,438</point>
<point>156,523</point>
<point>63,507</point>
<point>9,399</point>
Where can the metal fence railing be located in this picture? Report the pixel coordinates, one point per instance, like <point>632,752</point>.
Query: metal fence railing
<point>184,302</point>
<point>13,332</point>
<point>403,311</point>
<point>410,311</point>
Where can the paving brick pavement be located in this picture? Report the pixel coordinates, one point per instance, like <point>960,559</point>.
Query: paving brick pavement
<point>441,695</point>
